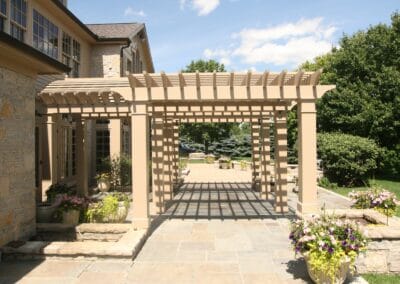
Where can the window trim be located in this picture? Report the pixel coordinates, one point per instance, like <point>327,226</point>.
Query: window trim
<point>13,22</point>
<point>51,30</point>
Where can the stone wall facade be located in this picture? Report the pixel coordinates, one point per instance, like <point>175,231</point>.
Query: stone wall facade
<point>17,156</point>
<point>382,256</point>
<point>105,61</point>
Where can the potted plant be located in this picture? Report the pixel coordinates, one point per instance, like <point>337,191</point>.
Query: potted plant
<point>376,198</point>
<point>103,182</point>
<point>71,206</point>
<point>111,209</point>
<point>45,210</point>
<point>224,162</point>
<point>329,246</point>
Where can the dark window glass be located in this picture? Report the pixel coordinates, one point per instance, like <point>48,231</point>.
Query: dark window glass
<point>45,35</point>
<point>18,19</point>
<point>3,7</point>
<point>102,147</point>
<point>2,24</point>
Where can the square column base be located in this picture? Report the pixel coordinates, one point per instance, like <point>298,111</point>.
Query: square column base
<point>140,223</point>
<point>307,208</point>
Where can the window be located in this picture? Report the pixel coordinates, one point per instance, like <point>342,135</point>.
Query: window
<point>76,58</point>
<point>3,14</point>
<point>45,35</point>
<point>128,67</point>
<point>18,19</point>
<point>102,147</point>
<point>73,150</point>
<point>71,54</point>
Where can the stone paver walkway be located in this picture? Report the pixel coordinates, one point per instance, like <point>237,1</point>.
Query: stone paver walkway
<point>213,232</point>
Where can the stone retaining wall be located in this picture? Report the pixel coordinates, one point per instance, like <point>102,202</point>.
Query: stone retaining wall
<point>17,156</point>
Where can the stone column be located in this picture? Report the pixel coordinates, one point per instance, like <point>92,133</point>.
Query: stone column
<point>140,170</point>
<point>307,152</point>
<point>280,161</point>
<point>157,164</point>
<point>255,138</point>
<point>265,161</point>
<point>81,156</point>
<point>168,152</point>
<point>115,137</point>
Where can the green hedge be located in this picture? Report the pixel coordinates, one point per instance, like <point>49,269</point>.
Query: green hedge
<point>346,159</point>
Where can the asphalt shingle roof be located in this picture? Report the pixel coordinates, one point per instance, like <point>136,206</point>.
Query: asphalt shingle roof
<point>120,30</point>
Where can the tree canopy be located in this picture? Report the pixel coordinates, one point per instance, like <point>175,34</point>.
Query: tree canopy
<point>204,66</point>
<point>366,72</point>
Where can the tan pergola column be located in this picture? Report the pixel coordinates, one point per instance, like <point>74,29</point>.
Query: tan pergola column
<point>81,156</point>
<point>168,151</point>
<point>280,134</point>
<point>157,164</point>
<point>140,170</point>
<point>175,159</point>
<point>255,138</point>
<point>306,114</point>
<point>115,137</point>
<point>50,168</point>
<point>265,161</point>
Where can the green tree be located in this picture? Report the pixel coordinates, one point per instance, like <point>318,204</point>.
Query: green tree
<point>366,72</point>
<point>204,66</point>
<point>205,133</point>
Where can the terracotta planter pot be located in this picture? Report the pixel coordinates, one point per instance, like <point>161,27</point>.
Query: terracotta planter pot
<point>320,277</point>
<point>71,217</point>
<point>103,185</point>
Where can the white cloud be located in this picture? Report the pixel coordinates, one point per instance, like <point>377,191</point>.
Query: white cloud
<point>129,11</point>
<point>203,7</point>
<point>288,44</point>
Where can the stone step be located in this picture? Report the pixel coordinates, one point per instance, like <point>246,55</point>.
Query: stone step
<point>126,247</point>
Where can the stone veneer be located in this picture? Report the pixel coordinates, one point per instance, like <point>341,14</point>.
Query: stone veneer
<point>105,61</point>
<point>17,156</point>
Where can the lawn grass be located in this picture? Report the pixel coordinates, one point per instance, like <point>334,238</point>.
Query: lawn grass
<point>381,278</point>
<point>389,184</point>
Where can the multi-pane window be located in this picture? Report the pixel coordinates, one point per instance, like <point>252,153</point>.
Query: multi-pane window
<point>73,146</point>
<point>18,19</point>
<point>45,35</point>
<point>71,54</point>
<point>66,49</point>
<point>76,58</point>
<point>3,14</point>
<point>102,147</point>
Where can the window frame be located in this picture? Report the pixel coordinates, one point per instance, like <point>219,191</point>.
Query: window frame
<point>45,35</point>
<point>14,24</point>
<point>3,16</point>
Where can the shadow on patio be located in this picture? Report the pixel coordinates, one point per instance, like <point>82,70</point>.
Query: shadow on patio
<point>221,200</point>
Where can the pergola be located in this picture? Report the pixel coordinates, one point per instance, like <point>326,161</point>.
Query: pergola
<point>157,103</point>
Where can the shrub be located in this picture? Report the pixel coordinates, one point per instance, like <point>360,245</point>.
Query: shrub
<point>119,169</point>
<point>59,189</point>
<point>325,183</point>
<point>346,159</point>
<point>107,209</point>
<point>390,164</point>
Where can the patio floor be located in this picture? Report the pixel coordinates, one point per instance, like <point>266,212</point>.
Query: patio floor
<point>213,232</point>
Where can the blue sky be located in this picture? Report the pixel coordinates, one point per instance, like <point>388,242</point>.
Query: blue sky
<point>244,34</point>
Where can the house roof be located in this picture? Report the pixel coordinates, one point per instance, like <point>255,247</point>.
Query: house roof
<point>118,30</point>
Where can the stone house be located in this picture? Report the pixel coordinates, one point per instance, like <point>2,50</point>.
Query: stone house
<point>42,41</point>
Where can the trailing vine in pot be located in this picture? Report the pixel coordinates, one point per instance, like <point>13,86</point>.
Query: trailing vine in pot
<point>329,246</point>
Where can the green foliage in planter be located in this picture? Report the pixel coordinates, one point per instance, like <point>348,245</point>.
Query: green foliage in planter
<point>347,160</point>
<point>376,198</point>
<point>119,169</point>
<point>59,189</point>
<point>108,207</point>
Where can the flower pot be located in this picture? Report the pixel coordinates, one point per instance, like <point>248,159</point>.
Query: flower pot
<point>103,185</point>
<point>319,277</point>
<point>45,212</point>
<point>71,217</point>
<point>120,215</point>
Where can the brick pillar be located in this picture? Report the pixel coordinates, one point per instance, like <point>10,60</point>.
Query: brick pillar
<point>280,134</point>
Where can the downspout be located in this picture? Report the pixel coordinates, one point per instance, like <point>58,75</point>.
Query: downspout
<point>122,57</point>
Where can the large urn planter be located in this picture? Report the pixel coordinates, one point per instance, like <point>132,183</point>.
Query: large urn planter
<point>103,185</point>
<point>319,277</point>
<point>71,217</point>
<point>120,215</point>
<point>45,212</point>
